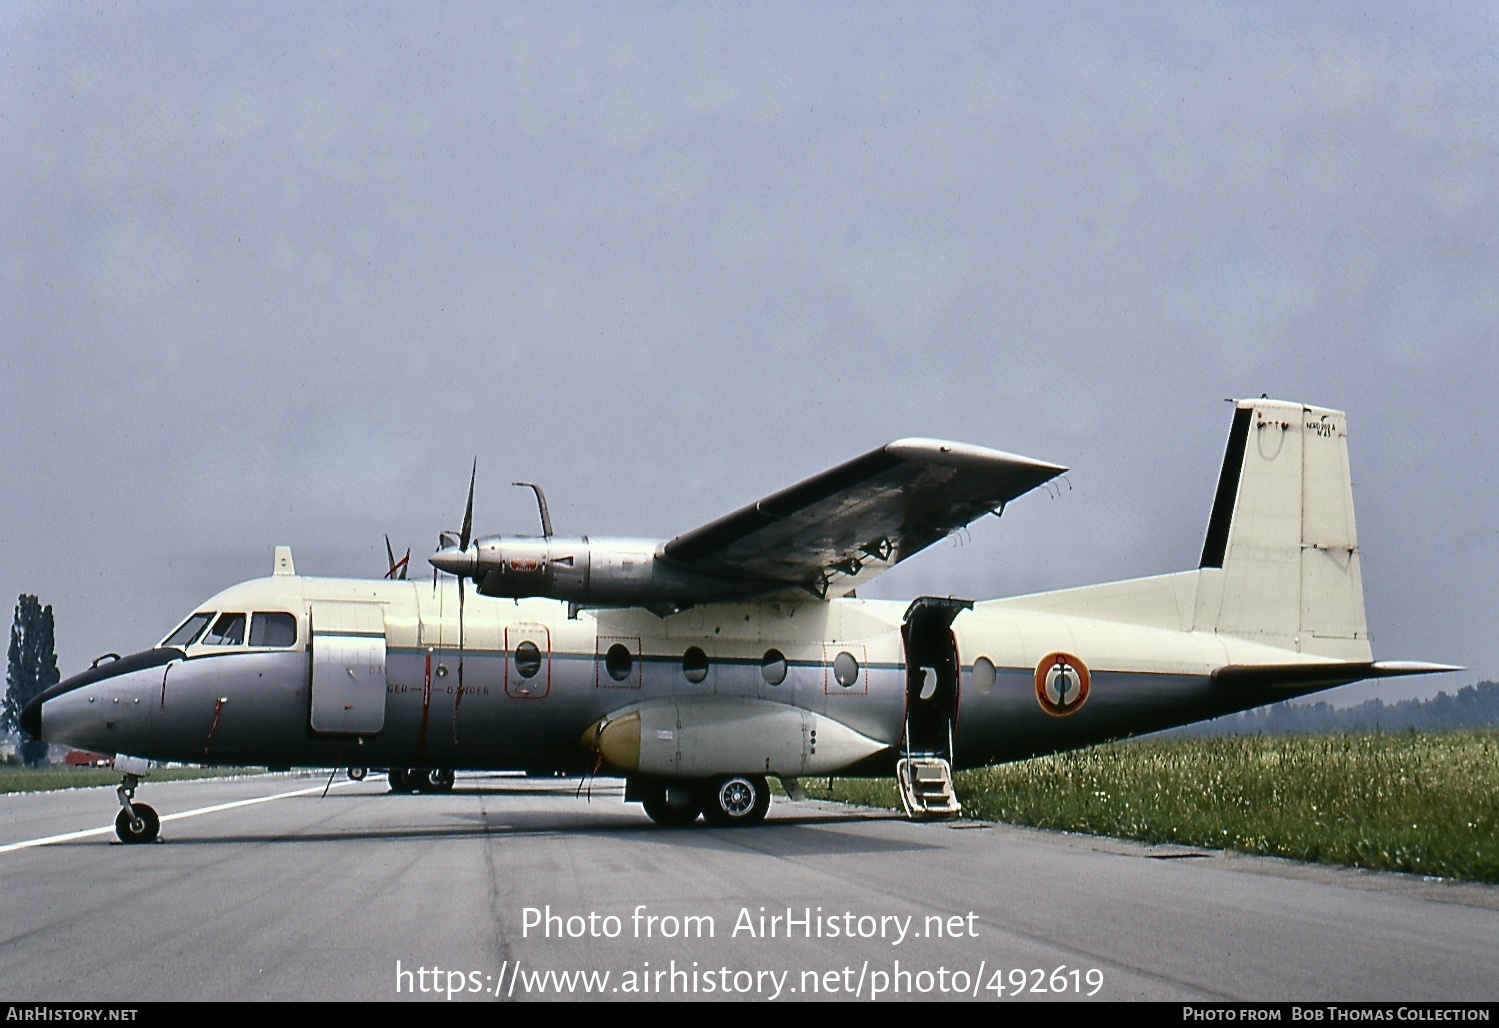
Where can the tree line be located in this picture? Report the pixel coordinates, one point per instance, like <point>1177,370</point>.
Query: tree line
<point>1473,706</point>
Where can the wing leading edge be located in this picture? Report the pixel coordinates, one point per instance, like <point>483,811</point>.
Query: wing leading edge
<point>839,528</point>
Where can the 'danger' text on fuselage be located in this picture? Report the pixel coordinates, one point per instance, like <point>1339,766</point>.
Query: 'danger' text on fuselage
<point>700,667</point>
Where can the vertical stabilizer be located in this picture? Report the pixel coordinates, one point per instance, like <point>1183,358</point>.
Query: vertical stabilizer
<point>1280,563</point>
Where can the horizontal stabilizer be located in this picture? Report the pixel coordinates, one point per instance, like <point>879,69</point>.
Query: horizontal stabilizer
<point>1396,668</point>
<point>1321,675</point>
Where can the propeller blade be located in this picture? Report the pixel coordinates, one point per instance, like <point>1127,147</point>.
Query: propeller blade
<point>458,700</point>
<point>468,511</point>
<point>396,569</point>
<point>453,554</point>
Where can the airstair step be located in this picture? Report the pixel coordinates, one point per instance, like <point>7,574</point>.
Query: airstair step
<point>926,788</point>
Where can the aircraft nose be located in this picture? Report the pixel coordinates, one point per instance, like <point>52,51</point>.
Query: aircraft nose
<point>456,561</point>
<point>31,718</point>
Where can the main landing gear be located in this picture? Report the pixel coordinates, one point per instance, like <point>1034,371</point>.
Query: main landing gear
<point>420,779</point>
<point>724,802</point>
<point>136,821</point>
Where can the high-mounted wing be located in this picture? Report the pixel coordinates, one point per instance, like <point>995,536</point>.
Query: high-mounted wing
<point>825,535</point>
<point>839,528</point>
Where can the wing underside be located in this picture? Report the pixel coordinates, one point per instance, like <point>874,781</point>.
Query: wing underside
<point>839,528</point>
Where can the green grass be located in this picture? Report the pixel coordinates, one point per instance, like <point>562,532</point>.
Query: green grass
<point>44,779</point>
<point>1421,802</point>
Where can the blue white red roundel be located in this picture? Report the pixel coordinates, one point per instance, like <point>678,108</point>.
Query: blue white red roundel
<point>1061,684</point>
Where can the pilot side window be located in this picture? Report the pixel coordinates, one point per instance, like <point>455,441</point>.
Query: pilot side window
<point>275,628</point>
<point>188,630</point>
<point>228,630</point>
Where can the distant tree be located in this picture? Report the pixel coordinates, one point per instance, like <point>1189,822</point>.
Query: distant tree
<point>32,667</point>
<point>1474,706</point>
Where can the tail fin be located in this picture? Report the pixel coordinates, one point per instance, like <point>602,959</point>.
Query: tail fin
<point>1280,563</point>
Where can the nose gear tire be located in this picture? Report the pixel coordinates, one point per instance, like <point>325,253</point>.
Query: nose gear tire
<point>143,827</point>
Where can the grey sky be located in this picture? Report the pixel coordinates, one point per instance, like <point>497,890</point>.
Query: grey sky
<point>276,273</point>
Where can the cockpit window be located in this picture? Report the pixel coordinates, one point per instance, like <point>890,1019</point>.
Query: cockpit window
<point>228,630</point>
<point>188,630</point>
<point>273,629</point>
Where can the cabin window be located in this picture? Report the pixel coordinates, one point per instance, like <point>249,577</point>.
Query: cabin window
<point>694,664</point>
<point>189,630</point>
<point>845,669</point>
<point>983,674</point>
<point>275,628</point>
<point>527,659</point>
<point>773,667</point>
<point>228,630</point>
<point>618,662</point>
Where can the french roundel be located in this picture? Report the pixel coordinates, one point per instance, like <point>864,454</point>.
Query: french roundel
<point>1061,684</point>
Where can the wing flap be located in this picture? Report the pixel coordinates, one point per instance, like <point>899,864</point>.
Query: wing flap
<point>846,524</point>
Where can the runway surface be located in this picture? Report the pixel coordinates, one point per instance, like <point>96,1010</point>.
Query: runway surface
<point>519,889</point>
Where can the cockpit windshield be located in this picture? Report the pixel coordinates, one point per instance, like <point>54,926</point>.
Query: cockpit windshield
<point>273,629</point>
<point>228,630</point>
<point>188,631</point>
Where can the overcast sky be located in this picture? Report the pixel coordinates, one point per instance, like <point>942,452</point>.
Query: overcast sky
<point>277,272</point>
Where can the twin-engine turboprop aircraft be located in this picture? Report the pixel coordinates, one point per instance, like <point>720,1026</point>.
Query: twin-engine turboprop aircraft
<point>700,667</point>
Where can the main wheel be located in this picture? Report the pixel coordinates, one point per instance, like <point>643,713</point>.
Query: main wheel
<point>435,780</point>
<point>400,779</point>
<point>737,800</point>
<point>143,827</point>
<point>666,815</point>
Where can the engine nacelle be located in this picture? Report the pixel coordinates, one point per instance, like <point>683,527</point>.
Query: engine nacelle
<point>604,572</point>
<point>699,736</point>
<point>519,566</point>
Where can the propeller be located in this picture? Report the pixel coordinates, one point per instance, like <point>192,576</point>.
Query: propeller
<point>461,568</point>
<point>397,570</point>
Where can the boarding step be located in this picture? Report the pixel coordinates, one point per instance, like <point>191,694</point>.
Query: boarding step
<point>926,788</point>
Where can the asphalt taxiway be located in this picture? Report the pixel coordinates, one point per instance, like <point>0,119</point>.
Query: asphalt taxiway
<point>273,888</point>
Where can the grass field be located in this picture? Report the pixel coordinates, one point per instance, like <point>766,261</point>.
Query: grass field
<point>1422,802</point>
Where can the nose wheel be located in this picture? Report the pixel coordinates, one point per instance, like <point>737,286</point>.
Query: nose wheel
<point>136,822</point>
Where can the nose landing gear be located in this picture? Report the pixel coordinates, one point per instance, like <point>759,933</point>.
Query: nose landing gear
<point>136,821</point>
